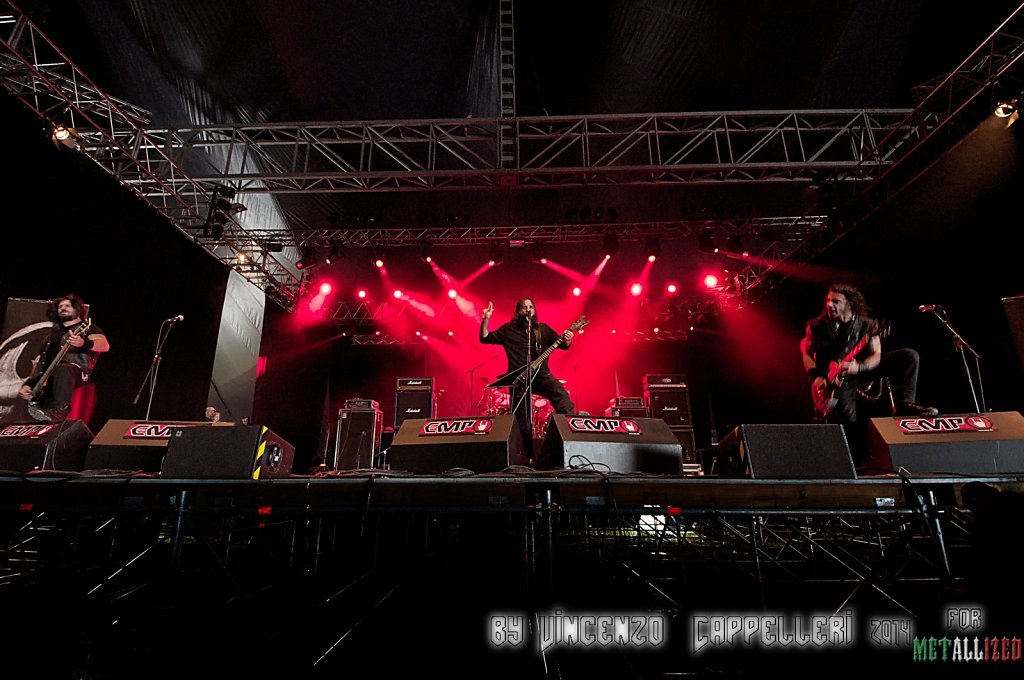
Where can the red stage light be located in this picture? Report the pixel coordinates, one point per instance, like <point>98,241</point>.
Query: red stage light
<point>397,294</point>
<point>361,294</point>
<point>636,289</point>
<point>711,281</point>
<point>491,263</point>
<point>378,263</point>
<point>577,291</point>
<point>326,288</point>
<point>452,293</point>
<point>672,288</point>
<point>451,333</point>
<point>652,258</point>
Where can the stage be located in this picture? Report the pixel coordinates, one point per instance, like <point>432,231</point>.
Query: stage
<point>310,576</point>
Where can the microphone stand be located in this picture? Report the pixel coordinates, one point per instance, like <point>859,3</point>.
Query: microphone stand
<point>154,366</point>
<point>529,379</point>
<point>472,385</point>
<point>963,347</point>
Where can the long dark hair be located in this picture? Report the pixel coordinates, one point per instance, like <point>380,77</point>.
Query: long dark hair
<point>515,314</point>
<point>858,305</point>
<point>76,302</point>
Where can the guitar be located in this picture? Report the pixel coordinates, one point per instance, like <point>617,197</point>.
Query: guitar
<point>36,397</point>
<point>824,396</point>
<point>517,378</point>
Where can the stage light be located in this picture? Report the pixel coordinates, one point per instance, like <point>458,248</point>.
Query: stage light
<point>1006,108</point>
<point>361,294</point>
<point>397,294</point>
<point>451,334</point>
<point>577,291</point>
<point>497,256</point>
<point>610,244</point>
<point>735,246</point>
<point>333,254</point>
<point>307,258</point>
<point>326,288</point>
<point>652,249</point>
<point>710,281</point>
<point>636,289</point>
<point>671,288</point>
<point>537,252</point>
<point>65,136</point>
<point>452,293</point>
<point>378,257</point>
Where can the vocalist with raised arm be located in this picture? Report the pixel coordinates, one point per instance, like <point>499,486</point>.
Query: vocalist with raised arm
<point>524,338</point>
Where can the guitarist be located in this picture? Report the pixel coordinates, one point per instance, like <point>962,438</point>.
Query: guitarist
<point>827,344</point>
<point>67,313</point>
<point>524,338</point>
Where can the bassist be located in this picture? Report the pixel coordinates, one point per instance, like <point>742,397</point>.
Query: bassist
<point>524,338</point>
<point>50,388</point>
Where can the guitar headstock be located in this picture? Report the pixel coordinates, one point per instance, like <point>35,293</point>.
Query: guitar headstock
<point>579,323</point>
<point>81,329</point>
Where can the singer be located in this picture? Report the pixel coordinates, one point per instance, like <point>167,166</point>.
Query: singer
<point>844,342</point>
<point>524,338</point>
<point>67,360</point>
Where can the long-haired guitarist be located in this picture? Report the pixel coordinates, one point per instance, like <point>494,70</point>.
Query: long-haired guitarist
<point>75,343</point>
<point>525,338</point>
<point>842,348</point>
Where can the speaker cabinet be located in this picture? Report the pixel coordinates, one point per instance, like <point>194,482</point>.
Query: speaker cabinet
<point>480,444</point>
<point>951,444</point>
<point>235,452</point>
<point>413,403</point>
<point>358,439</point>
<point>689,444</point>
<point>616,444</point>
<point>136,445</point>
<point>25,447</point>
<point>786,452</point>
<point>671,404</point>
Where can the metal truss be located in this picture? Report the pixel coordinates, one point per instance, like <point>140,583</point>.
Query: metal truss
<point>947,110</point>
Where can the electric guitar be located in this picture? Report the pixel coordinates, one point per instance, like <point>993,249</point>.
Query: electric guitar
<point>824,396</point>
<point>37,395</point>
<point>517,378</point>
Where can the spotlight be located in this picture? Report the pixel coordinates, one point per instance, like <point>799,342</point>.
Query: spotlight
<point>378,257</point>
<point>537,252</point>
<point>735,245</point>
<point>652,249</point>
<point>307,258</point>
<point>65,136</point>
<point>610,244</point>
<point>333,254</point>
<point>1006,108</point>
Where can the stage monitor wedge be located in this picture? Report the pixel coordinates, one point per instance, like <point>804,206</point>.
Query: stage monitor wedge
<point>612,444</point>
<point>34,446</point>
<point>236,452</point>
<point>135,445</point>
<point>960,444</point>
<point>800,451</point>
<point>477,443</point>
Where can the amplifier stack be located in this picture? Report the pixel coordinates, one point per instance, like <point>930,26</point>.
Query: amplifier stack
<point>357,441</point>
<point>414,398</point>
<point>667,397</point>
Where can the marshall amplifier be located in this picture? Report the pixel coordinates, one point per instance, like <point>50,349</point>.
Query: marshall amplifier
<point>626,407</point>
<point>414,398</point>
<point>664,380</point>
<point>403,384</point>
<point>671,404</point>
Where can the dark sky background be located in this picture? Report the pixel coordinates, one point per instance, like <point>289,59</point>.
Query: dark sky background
<point>948,240</point>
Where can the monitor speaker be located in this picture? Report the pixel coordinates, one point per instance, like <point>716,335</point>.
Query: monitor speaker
<point>954,444</point>
<point>234,452</point>
<point>136,445</point>
<point>480,444</point>
<point>786,452</point>
<point>615,444</point>
<point>25,447</point>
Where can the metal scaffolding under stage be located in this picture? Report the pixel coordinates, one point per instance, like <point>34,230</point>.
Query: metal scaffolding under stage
<point>336,556</point>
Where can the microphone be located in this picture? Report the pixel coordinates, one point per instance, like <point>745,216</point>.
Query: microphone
<point>927,308</point>
<point>180,317</point>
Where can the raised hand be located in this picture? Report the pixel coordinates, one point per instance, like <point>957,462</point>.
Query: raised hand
<point>488,310</point>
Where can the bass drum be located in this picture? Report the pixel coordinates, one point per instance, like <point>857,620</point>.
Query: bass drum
<point>498,401</point>
<point>542,408</point>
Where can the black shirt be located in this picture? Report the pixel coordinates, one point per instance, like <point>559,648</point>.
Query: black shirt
<point>512,337</point>
<point>83,358</point>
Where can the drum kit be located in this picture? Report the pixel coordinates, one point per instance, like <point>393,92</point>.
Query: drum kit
<point>496,402</point>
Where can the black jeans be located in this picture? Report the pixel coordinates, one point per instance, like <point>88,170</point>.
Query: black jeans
<point>544,385</point>
<point>899,365</point>
<point>65,379</point>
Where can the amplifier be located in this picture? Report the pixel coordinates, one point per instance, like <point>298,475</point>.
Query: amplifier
<point>627,402</point>
<point>627,412</point>
<point>404,384</point>
<point>361,404</point>
<point>358,439</point>
<point>672,404</point>
<point>664,380</point>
